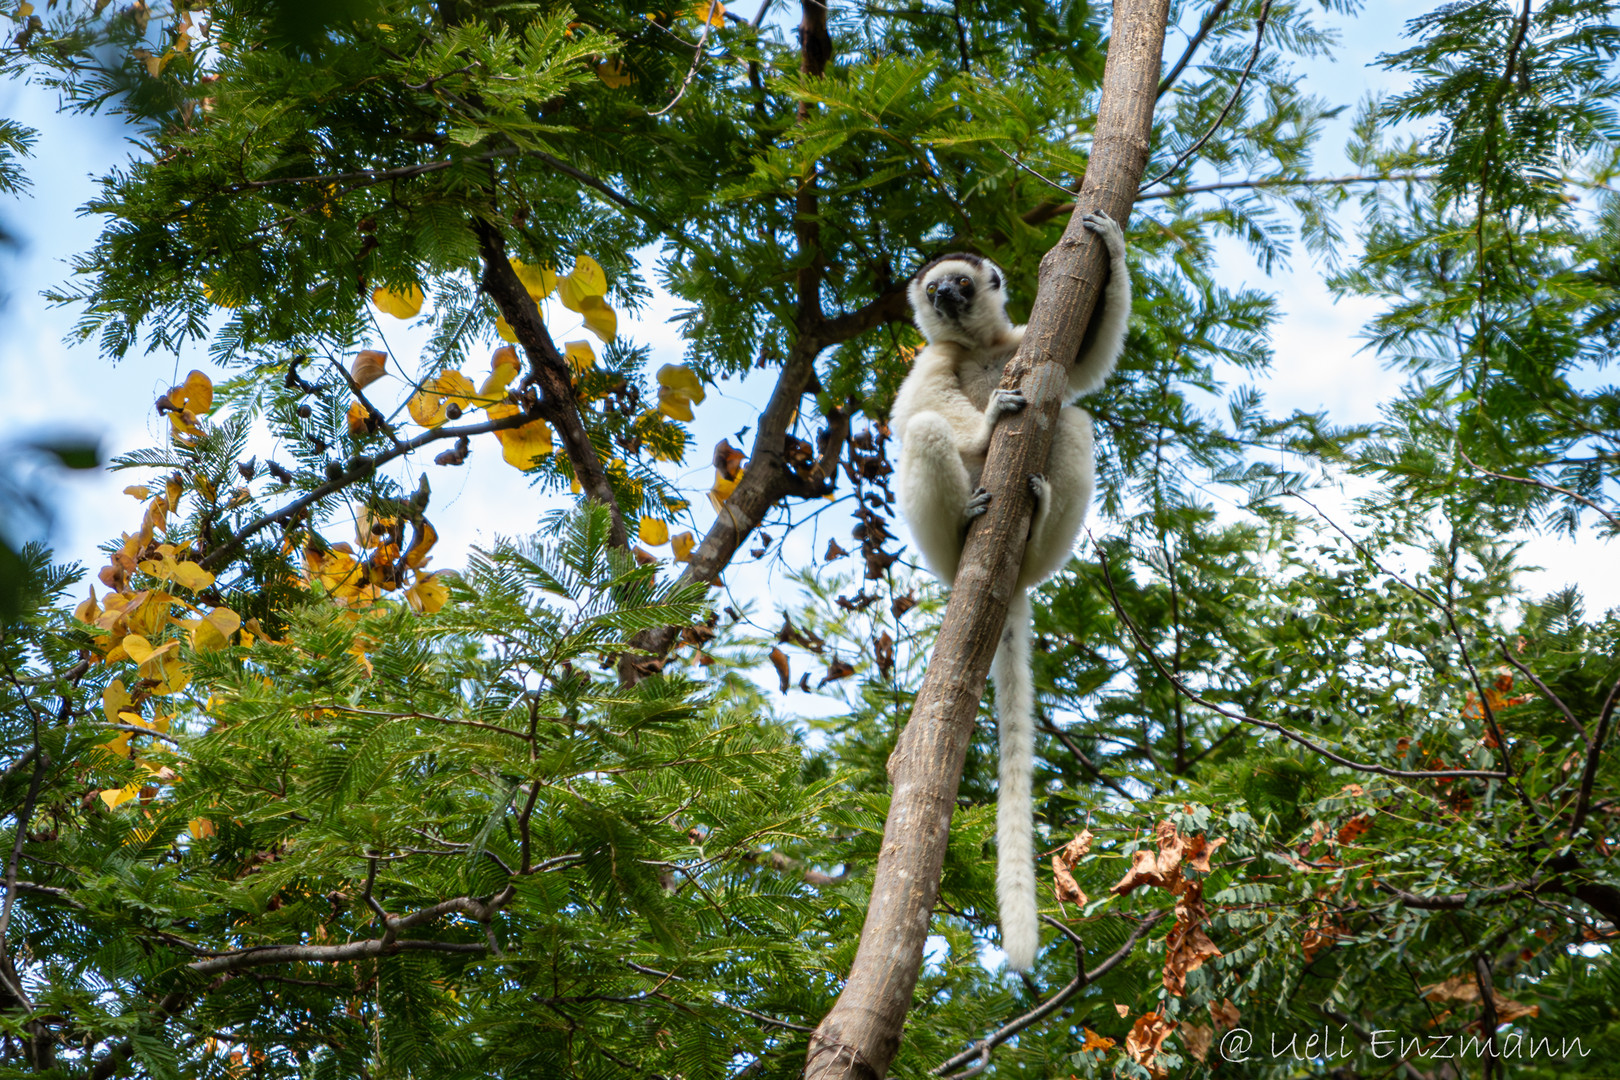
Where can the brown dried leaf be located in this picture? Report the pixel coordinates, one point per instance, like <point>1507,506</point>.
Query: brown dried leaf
<point>1198,1038</point>
<point>1143,1043</point>
<point>783,672</point>
<point>1225,1015</point>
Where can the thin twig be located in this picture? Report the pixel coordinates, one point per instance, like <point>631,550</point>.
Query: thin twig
<point>697,58</point>
<point>360,467</point>
<point>1080,755</point>
<point>1269,725</point>
<point>980,1051</point>
<point>1462,647</point>
<point>1259,33</point>
<point>1192,46</point>
<point>1583,800</point>
<point>1530,481</point>
<point>1548,694</point>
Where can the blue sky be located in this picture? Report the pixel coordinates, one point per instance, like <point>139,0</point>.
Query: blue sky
<point>1318,358</point>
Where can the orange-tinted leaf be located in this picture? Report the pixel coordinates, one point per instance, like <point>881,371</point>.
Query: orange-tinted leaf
<point>401,305</point>
<point>369,366</point>
<point>200,828</point>
<point>784,673</point>
<point>1198,1038</point>
<point>138,491</point>
<point>1096,1042</point>
<point>195,394</point>
<point>710,11</point>
<point>728,460</point>
<point>418,556</point>
<point>682,544</point>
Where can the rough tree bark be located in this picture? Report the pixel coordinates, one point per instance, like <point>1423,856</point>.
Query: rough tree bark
<point>861,1035</point>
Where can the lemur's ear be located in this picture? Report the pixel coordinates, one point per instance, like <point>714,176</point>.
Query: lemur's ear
<point>995,280</point>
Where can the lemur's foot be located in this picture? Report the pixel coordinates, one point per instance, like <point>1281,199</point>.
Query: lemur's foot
<point>1039,489</point>
<point>1008,401</point>
<point>977,505</point>
<point>1107,228</point>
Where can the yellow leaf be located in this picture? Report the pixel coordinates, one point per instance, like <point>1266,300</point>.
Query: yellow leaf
<point>356,419</point>
<point>504,330</point>
<point>120,745</point>
<point>682,544</point>
<point>678,388</point>
<point>171,491</point>
<point>88,610</point>
<point>114,700</point>
<point>214,630</point>
<point>538,281</point>
<point>680,378</point>
<point>417,556</point>
<point>713,13</point>
<point>613,72</point>
<point>581,357</point>
<point>191,576</point>
<point>220,299</point>
<point>524,446</point>
<point>369,366</point>
<point>139,492</point>
<point>142,651</point>
<point>599,318</point>
<point>116,797</point>
<point>503,368</point>
<point>427,594</point>
<point>401,305</point>
<point>24,10</point>
<point>723,488</point>
<point>589,277</point>
<point>653,532</point>
<point>195,394</point>
<point>200,828</point>
<point>429,405</point>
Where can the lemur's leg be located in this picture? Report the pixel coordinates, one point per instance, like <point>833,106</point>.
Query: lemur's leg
<point>1061,498</point>
<point>934,491</point>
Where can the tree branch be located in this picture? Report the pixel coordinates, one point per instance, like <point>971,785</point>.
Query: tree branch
<point>359,468</point>
<point>1192,46</point>
<point>326,954</point>
<point>549,370</point>
<point>861,1035</point>
<point>1259,34</point>
<point>981,1049</point>
<point>1270,725</point>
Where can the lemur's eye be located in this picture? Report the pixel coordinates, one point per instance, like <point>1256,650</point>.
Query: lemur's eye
<point>933,287</point>
<point>964,282</point>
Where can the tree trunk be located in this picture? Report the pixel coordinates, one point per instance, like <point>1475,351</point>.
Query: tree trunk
<point>861,1035</point>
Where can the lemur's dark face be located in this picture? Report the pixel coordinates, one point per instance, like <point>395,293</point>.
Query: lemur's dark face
<point>959,297</point>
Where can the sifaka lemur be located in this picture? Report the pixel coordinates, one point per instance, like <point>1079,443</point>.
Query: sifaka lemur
<point>944,415</point>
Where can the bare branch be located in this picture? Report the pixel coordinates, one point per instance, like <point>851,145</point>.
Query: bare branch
<point>1192,46</point>
<point>1583,800</point>
<point>1531,481</point>
<point>359,468</point>
<point>981,1049</point>
<point>1269,725</point>
<point>326,954</point>
<point>1259,34</point>
<point>1548,694</point>
<point>1485,897</point>
<point>697,58</point>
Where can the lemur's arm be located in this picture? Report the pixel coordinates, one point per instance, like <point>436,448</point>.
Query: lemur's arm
<point>1094,367</point>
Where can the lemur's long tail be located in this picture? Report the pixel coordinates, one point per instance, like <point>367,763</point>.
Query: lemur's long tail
<point>1015,814</point>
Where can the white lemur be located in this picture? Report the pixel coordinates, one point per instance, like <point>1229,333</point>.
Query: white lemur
<point>944,415</point>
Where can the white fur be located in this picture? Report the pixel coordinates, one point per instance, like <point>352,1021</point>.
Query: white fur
<point>944,415</point>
